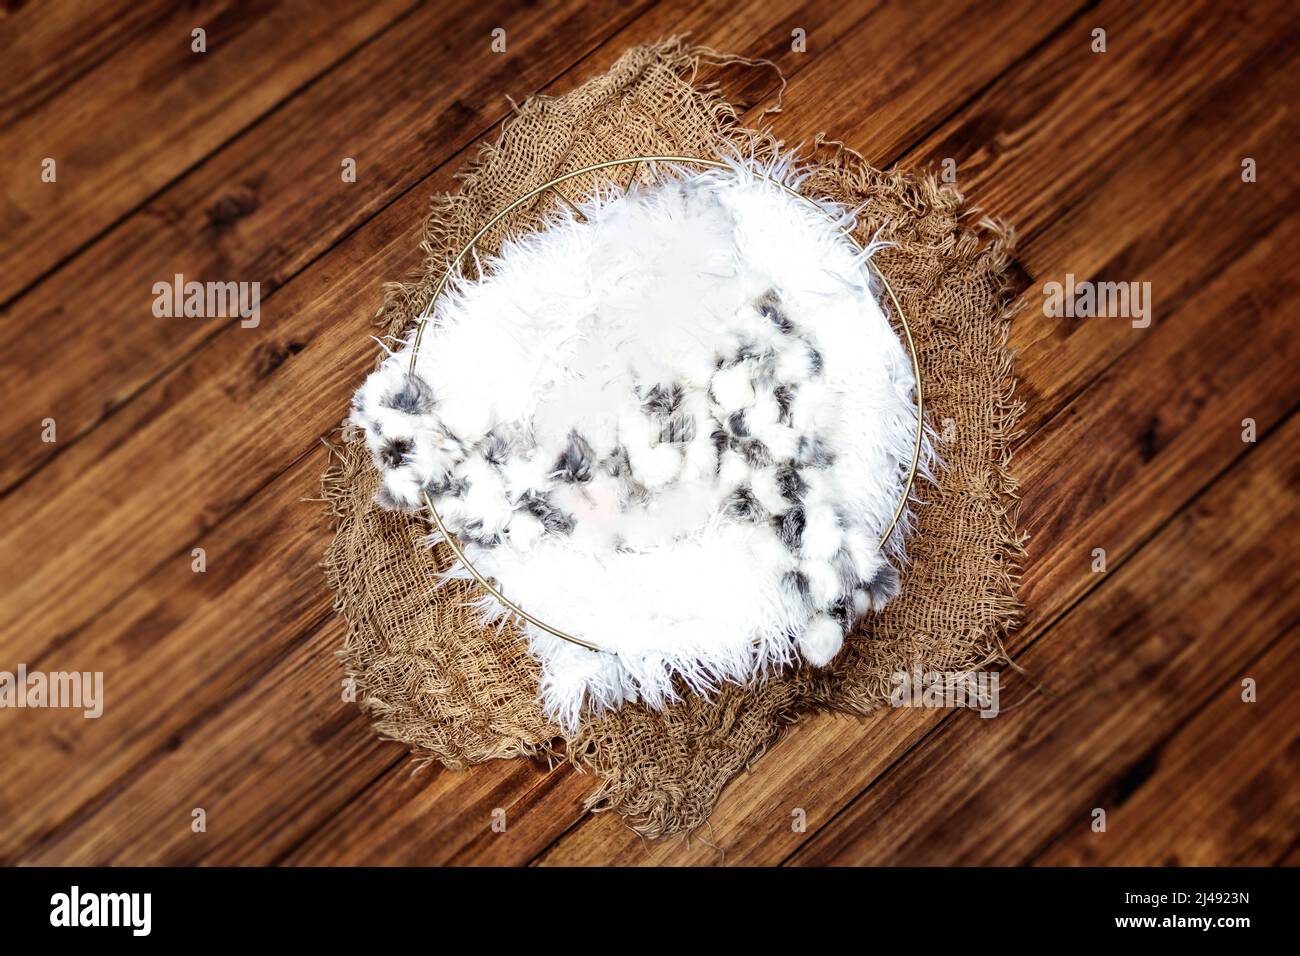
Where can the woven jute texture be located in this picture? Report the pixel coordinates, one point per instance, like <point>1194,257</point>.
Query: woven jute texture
<point>434,679</point>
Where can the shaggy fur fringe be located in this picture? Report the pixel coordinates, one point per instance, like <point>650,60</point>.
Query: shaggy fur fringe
<point>678,417</point>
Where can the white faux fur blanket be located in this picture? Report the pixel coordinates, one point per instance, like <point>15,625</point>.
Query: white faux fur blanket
<point>677,429</point>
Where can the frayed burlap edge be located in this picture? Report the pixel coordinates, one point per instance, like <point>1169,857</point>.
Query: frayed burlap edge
<point>452,691</point>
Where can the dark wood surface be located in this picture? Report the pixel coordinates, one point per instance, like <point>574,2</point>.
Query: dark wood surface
<point>221,688</point>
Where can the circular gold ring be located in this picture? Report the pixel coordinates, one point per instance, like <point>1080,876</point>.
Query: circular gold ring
<point>636,161</point>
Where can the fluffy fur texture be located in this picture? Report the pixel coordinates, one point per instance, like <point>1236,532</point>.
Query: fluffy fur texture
<point>677,428</point>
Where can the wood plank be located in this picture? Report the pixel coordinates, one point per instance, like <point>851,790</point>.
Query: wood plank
<point>149,819</point>
<point>1173,245</point>
<point>46,46</point>
<point>1167,629</point>
<point>152,110</point>
<point>222,693</point>
<point>1126,166</point>
<point>1224,790</point>
<point>237,643</point>
<point>1292,855</point>
<point>420,808</point>
<point>883,112</point>
<point>444,822</point>
<point>270,203</point>
<point>176,648</point>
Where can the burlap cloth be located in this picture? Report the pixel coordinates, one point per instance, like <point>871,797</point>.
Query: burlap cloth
<point>435,680</point>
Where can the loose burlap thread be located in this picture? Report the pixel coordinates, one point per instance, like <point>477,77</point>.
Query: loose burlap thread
<point>436,680</point>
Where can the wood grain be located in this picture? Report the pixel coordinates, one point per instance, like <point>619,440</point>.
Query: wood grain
<point>222,691</point>
<point>153,109</point>
<point>46,47</point>
<point>1233,770</point>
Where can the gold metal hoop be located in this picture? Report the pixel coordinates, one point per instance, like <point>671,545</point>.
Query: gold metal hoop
<point>636,161</point>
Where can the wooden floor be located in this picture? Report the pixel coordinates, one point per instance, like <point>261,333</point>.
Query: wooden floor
<point>222,693</point>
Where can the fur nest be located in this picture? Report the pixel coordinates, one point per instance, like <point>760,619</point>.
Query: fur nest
<point>677,427</point>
